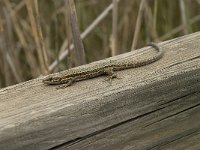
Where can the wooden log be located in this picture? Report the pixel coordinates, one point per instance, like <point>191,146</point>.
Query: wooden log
<point>152,107</point>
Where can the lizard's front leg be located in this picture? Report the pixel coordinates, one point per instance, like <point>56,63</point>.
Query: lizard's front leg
<point>67,83</point>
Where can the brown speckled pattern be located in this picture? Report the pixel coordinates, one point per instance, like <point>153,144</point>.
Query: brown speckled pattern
<point>107,68</point>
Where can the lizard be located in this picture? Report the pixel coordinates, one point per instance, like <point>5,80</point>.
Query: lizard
<point>106,68</point>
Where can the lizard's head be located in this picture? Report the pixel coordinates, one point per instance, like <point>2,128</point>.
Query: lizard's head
<point>52,80</point>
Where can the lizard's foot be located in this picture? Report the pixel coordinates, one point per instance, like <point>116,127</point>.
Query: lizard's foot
<point>111,74</point>
<point>69,83</point>
<point>111,77</point>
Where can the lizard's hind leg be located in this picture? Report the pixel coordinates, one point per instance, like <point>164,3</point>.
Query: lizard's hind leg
<point>111,74</point>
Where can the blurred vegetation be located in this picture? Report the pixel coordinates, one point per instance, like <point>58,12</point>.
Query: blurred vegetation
<point>19,55</point>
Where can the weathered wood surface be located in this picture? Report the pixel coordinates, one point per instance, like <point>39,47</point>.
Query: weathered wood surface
<point>152,107</point>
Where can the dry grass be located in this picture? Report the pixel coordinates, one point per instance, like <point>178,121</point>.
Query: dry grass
<point>35,34</point>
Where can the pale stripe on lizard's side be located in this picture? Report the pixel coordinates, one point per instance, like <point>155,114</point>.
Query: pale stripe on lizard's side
<point>106,68</point>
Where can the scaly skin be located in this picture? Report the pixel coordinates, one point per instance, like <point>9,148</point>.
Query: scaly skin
<point>107,68</point>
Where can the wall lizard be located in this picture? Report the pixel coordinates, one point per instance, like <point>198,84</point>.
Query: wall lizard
<point>107,68</point>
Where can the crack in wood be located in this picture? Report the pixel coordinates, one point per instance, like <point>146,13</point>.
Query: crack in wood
<point>174,138</point>
<point>181,97</point>
<point>175,114</point>
<point>79,139</point>
<point>175,64</point>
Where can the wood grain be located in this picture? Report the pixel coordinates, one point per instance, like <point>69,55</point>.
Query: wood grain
<point>152,107</point>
